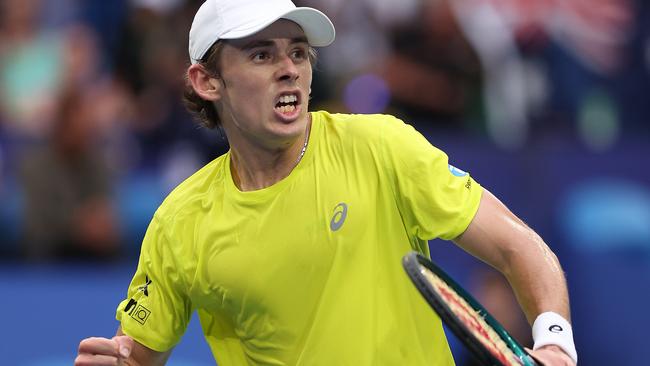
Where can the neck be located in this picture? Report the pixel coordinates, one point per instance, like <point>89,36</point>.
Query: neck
<point>254,168</point>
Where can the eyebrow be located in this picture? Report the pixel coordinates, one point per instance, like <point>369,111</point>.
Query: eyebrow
<point>267,43</point>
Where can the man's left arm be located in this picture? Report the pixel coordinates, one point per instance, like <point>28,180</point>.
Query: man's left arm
<point>499,238</point>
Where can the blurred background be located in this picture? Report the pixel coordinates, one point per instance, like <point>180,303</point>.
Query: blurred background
<point>545,102</point>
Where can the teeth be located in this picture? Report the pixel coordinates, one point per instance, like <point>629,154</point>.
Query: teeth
<point>286,108</point>
<point>288,98</point>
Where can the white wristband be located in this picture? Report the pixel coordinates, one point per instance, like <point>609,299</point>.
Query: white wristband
<point>552,328</point>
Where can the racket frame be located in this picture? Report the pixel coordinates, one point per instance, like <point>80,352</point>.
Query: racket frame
<point>412,263</point>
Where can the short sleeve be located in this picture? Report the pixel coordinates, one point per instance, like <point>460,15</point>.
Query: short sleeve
<point>435,199</point>
<point>157,308</point>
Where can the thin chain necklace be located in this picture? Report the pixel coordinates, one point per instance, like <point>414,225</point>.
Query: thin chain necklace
<point>304,147</point>
<point>237,179</point>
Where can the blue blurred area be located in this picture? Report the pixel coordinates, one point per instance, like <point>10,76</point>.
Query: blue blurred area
<point>606,216</point>
<point>137,199</point>
<point>50,308</point>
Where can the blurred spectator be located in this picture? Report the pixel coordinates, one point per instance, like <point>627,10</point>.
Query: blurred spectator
<point>510,88</point>
<point>152,65</point>
<point>67,188</point>
<point>518,43</point>
<point>362,45</point>
<point>30,67</point>
<point>433,72</point>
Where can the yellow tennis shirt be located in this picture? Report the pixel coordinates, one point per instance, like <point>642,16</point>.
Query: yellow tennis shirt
<point>307,271</point>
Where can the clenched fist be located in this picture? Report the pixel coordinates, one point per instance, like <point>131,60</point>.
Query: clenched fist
<point>96,351</point>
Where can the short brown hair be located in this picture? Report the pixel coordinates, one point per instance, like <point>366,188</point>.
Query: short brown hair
<point>204,111</point>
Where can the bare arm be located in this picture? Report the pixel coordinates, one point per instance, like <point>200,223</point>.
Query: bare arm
<point>502,240</point>
<point>120,350</point>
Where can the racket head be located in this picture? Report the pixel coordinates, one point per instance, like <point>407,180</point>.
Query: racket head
<point>486,339</point>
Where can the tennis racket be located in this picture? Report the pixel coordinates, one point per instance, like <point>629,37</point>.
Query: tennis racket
<point>487,340</point>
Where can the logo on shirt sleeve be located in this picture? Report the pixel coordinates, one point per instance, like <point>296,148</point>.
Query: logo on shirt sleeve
<point>136,311</point>
<point>456,172</point>
<point>145,288</point>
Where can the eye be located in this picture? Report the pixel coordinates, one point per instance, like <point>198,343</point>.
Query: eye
<point>299,54</point>
<point>260,56</point>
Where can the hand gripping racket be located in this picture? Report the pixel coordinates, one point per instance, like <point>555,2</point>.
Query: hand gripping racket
<point>488,341</point>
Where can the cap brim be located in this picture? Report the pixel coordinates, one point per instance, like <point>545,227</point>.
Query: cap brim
<point>317,26</point>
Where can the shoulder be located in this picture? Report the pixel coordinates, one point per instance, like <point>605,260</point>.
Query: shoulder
<point>358,121</point>
<point>195,193</point>
<point>384,130</point>
<point>361,127</point>
<point>170,237</point>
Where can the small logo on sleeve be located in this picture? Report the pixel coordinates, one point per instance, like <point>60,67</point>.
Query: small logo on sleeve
<point>145,288</point>
<point>456,172</point>
<point>340,213</point>
<point>138,312</point>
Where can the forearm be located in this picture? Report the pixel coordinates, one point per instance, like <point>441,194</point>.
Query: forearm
<point>499,238</point>
<point>535,275</point>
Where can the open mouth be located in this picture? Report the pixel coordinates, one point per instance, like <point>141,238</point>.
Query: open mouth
<point>287,103</point>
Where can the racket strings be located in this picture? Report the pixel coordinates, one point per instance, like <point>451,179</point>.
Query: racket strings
<point>473,320</point>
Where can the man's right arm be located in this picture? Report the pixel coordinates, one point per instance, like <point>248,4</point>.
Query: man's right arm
<point>120,350</point>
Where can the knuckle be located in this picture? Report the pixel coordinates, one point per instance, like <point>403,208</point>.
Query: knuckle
<point>85,344</point>
<point>80,361</point>
<point>82,346</point>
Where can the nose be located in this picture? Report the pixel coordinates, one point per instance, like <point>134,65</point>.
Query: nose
<point>287,69</point>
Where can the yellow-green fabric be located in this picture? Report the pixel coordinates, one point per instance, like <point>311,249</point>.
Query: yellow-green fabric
<point>306,271</point>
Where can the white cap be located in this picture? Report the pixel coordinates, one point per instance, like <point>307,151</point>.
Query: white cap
<point>232,19</point>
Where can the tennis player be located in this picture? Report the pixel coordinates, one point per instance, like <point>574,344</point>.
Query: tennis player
<point>289,246</point>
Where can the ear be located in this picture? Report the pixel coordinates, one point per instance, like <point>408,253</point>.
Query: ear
<point>207,86</point>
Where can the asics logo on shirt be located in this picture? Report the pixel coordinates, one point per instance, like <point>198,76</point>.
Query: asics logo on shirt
<point>340,213</point>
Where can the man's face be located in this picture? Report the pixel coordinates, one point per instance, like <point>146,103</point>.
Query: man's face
<point>265,81</point>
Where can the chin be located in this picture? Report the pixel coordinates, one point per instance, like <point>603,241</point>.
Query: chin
<point>289,129</point>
